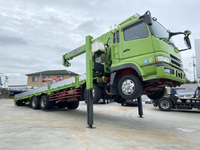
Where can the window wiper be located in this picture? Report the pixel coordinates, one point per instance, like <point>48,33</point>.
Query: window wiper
<point>164,39</point>
<point>172,44</point>
<point>168,41</point>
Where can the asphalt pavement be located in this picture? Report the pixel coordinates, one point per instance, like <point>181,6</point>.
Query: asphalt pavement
<point>116,128</point>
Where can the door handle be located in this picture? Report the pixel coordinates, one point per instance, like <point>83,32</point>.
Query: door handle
<point>126,50</point>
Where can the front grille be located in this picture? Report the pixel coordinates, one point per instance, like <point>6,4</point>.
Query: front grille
<point>175,61</point>
<point>172,56</point>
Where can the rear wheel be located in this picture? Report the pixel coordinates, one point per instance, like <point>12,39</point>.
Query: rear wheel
<point>62,104</point>
<point>72,105</point>
<point>129,87</point>
<point>165,104</point>
<point>20,103</point>
<point>52,104</point>
<point>96,94</point>
<point>35,102</point>
<point>44,102</point>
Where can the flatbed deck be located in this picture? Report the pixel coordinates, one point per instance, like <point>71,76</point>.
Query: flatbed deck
<point>76,82</point>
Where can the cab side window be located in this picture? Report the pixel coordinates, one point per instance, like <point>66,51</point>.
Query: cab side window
<point>116,37</point>
<point>135,31</point>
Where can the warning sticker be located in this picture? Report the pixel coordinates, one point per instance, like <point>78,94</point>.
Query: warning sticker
<point>150,59</point>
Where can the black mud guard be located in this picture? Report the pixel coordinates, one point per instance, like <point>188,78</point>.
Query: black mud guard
<point>173,98</point>
<point>113,83</point>
<point>82,91</point>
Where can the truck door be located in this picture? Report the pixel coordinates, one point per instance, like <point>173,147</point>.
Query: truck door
<point>136,42</point>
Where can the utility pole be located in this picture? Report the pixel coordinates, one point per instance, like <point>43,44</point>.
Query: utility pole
<point>194,66</point>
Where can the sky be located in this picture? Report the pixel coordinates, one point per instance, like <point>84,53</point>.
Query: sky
<point>34,34</point>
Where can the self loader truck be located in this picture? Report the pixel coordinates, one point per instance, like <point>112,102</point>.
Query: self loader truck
<point>136,57</point>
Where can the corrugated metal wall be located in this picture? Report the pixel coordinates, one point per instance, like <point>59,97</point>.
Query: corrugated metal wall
<point>197,52</point>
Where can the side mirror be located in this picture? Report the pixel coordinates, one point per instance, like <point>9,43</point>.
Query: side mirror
<point>187,32</point>
<point>187,42</point>
<point>186,38</point>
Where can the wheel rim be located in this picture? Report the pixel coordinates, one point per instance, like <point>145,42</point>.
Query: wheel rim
<point>128,87</point>
<point>34,102</point>
<point>43,102</point>
<point>164,104</point>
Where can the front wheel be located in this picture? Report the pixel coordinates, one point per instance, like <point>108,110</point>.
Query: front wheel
<point>165,104</point>
<point>130,87</point>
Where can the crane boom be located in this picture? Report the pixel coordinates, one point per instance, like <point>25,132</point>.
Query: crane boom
<point>74,53</point>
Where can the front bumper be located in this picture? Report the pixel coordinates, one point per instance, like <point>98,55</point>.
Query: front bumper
<point>165,71</point>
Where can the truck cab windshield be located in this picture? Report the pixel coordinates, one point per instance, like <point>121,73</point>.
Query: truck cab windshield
<point>160,32</point>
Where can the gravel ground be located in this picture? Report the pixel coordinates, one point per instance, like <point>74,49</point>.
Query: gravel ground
<point>117,128</point>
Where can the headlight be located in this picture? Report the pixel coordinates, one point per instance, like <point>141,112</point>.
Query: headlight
<point>167,71</point>
<point>162,58</point>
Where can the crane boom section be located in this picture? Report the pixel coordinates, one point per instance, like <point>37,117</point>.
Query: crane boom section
<point>74,53</point>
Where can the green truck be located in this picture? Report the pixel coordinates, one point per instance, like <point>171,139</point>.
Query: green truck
<point>137,57</point>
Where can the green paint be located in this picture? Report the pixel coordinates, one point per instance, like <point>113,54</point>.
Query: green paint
<point>89,63</point>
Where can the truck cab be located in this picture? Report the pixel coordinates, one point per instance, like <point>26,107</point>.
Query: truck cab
<point>143,48</point>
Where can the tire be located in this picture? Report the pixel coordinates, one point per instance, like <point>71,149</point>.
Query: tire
<point>119,99</point>
<point>30,105</point>
<point>35,102</point>
<point>129,87</point>
<point>96,94</point>
<point>52,104</point>
<point>61,104</point>
<point>158,95</point>
<point>72,105</point>
<point>44,102</point>
<point>20,103</point>
<point>165,104</point>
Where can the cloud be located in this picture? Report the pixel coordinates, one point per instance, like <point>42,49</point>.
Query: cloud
<point>87,27</point>
<point>11,40</point>
<point>35,34</point>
